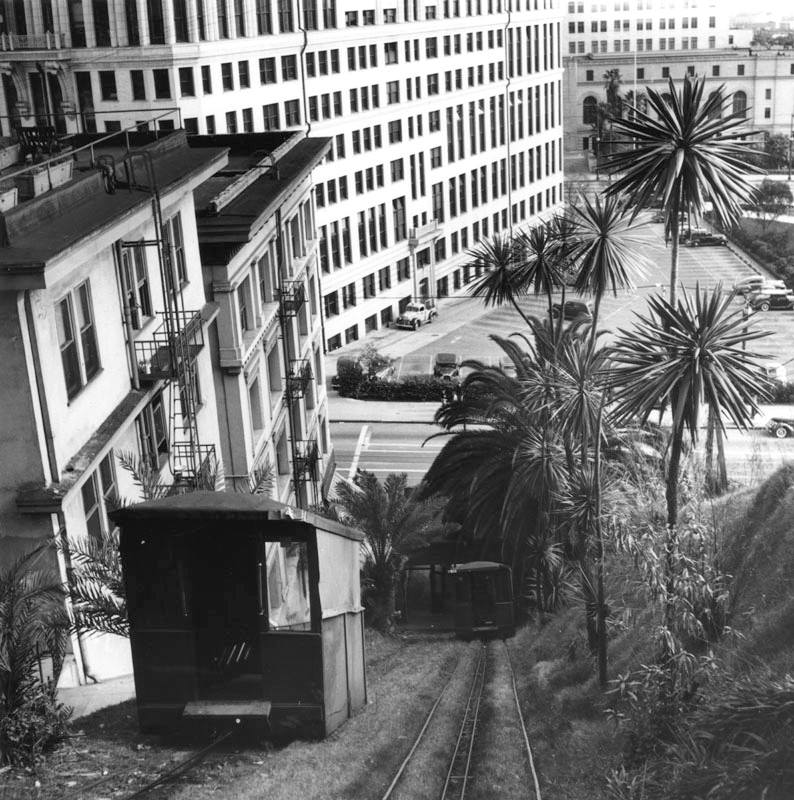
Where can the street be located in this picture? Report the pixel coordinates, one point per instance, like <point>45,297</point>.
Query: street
<point>386,447</point>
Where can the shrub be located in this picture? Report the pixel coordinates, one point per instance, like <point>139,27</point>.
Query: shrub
<point>416,388</point>
<point>349,375</point>
<point>33,728</point>
<point>782,393</point>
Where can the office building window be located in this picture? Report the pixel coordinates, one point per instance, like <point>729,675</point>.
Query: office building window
<point>138,85</point>
<point>186,85</point>
<point>206,79</point>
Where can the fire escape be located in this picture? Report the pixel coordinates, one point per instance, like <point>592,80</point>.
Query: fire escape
<point>305,454</point>
<point>170,354</point>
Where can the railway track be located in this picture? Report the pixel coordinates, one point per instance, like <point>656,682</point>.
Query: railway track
<point>459,771</point>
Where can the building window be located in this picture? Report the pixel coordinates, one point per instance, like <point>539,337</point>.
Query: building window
<point>389,15</point>
<point>390,52</point>
<point>107,84</point>
<point>136,279</point>
<point>77,338</point>
<point>589,111</point>
<point>715,71</point>
<point>138,85</point>
<point>267,70</point>
<point>740,69</point>
<point>395,131</point>
<point>206,80</point>
<point>152,429</point>
<point>740,103</point>
<point>162,84</point>
<point>248,120</point>
<point>331,304</point>
<point>227,76</point>
<point>243,74</point>
<point>98,494</point>
<point>286,23</point>
<point>289,68</point>
<point>264,16</point>
<point>351,19</point>
<point>172,236</point>
<point>231,122</point>
<point>271,117</point>
<point>292,113</point>
<point>186,85</point>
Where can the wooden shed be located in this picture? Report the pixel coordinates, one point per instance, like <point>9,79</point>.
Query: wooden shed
<point>242,608</point>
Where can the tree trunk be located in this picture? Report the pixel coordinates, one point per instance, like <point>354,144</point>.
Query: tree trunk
<point>722,468</point>
<point>518,308</point>
<point>674,229</point>
<point>601,599</point>
<point>672,521</point>
<point>382,608</point>
<point>710,479</point>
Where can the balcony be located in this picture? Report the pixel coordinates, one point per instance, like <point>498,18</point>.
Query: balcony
<point>291,297</point>
<point>424,234</point>
<point>34,41</point>
<point>173,346</point>
<point>306,458</point>
<point>298,378</point>
<point>194,466</point>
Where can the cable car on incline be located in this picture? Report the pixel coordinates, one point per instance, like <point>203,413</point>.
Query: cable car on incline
<point>242,609</point>
<point>483,600</point>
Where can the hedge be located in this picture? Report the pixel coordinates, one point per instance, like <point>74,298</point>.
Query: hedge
<point>416,388</point>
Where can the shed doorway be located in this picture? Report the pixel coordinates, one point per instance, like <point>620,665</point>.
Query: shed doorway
<point>225,600</point>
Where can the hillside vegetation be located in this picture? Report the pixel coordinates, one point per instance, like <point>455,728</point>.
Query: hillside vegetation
<point>731,737</point>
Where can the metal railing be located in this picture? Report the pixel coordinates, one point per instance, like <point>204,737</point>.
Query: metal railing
<point>162,356</point>
<point>194,464</point>
<point>291,297</point>
<point>32,41</point>
<point>306,457</point>
<point>298,378</point>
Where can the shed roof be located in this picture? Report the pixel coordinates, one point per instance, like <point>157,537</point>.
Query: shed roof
<point>226,506</point>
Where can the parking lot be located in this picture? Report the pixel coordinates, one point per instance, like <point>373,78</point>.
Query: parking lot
<point>707,266</point>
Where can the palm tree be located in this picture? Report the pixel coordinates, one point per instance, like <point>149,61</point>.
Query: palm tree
<point>539,268</point>
<point>690,353</point>
<point>612,83</point>
<point>502,280</point>
<point>606,251</point>
<point>33,623</point>
<point>687,153</point>
<point>392,519</point>
<point>503,462</point>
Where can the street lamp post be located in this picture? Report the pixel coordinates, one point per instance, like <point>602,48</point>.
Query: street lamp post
<point>597,153</point>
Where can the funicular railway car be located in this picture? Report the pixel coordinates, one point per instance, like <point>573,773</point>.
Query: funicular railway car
<point>245,610</point>
<point>483,600</point>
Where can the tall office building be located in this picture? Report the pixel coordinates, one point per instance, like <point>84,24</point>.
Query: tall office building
<point>445,116</point>
<point>625,26</point>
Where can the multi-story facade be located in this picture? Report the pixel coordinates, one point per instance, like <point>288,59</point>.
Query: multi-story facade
<point>104,323</point>
<point>445,116</point>
<point>626,26</point>
<point>169,321</point>
<point>760,82</point>
<point>259,250</point>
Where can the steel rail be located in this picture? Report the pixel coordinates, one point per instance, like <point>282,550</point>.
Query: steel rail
<point>530,757</point>
<point>460,763</point>
<point>419,736</point>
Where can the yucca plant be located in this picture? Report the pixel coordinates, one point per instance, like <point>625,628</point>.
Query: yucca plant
<point>687,151</point>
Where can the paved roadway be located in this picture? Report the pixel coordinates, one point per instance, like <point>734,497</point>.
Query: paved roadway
<point>384,447</point>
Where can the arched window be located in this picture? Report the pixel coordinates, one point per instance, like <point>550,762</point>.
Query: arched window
<point>740,103</point>
<point>716,111</point>
<point>589,116</point>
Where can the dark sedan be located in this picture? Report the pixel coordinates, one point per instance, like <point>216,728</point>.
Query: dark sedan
<point>574,309</point>
<point>764,301</point>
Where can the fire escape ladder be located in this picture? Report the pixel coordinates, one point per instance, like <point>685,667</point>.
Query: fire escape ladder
<point>174,347</point>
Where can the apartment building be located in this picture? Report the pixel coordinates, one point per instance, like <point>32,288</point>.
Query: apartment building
<point>104,324</point>
<point>760,82</point>
<point>159,309</point>
<point>445,117</point>
<point>625,26</point>
<point>259,251</point>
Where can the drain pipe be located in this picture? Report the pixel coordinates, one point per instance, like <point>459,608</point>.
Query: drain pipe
<point>127,313</point>
<point>507,120</point>
<point>305,45</point>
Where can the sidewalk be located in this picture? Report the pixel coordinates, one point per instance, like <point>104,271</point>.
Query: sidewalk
<point>85,700</point>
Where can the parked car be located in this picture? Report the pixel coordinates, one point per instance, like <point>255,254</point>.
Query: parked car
<point>446,366</point>
<point>417,313</point>
<point>508,367</point>
<point>764,301</point>
<point>780,427</point>
<point>701,238</point>
<point>757,283</point>
<point>574,309</point>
